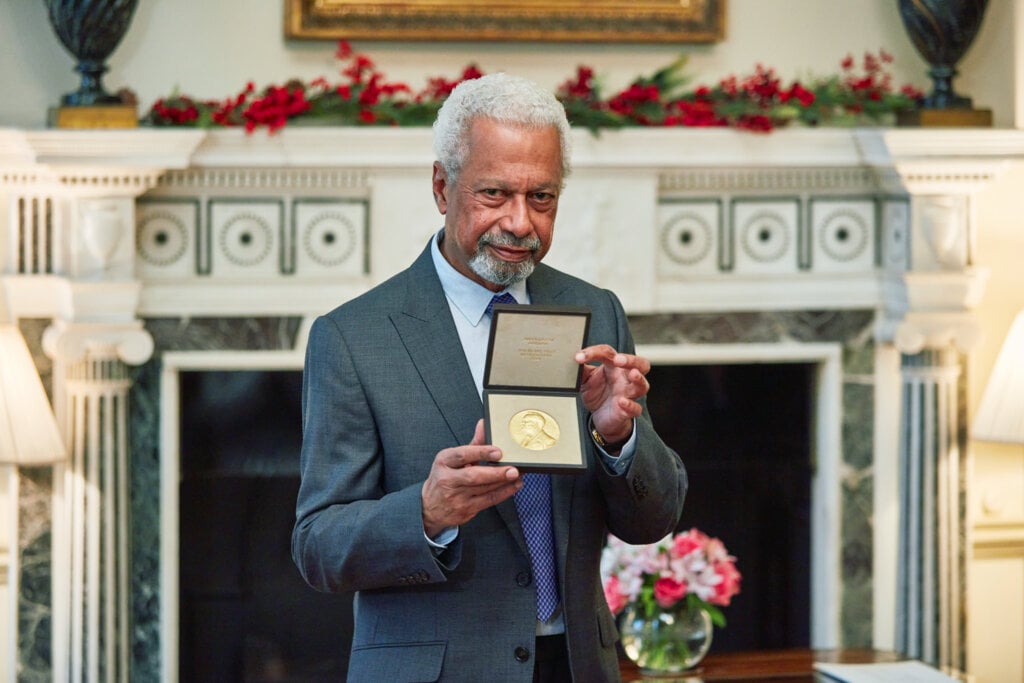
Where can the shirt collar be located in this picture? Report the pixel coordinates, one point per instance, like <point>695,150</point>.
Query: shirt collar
<point>469,297</point>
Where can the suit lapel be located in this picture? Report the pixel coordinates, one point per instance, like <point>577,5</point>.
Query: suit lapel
<point>428,332</point>
<point>544,286</point>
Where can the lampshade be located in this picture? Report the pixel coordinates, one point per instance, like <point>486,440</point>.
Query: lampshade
<point>28,429</point>
<point>1000,415</point>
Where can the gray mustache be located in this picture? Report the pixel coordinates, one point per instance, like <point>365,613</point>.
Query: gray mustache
<point>507,240</point>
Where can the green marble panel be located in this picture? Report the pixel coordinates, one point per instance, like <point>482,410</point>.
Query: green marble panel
<point>35,600</point>
<point>856,623</point>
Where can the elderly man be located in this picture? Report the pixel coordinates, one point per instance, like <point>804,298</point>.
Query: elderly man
<point>466,569</point>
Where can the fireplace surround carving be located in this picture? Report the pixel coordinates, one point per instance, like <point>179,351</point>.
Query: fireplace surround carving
<point>144,252</point>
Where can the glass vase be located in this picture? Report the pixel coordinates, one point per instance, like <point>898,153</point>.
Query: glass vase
<point>671,640</point>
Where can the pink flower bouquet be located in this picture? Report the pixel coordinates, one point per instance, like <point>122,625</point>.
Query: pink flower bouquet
<point>688,565</point>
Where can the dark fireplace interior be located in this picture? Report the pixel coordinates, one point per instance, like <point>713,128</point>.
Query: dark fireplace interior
<point>246,614</point>
<point>744,432</point>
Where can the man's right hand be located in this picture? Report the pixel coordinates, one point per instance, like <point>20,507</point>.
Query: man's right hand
<point>459,487</point>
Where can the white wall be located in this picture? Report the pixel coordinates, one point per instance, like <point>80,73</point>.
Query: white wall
<point>211,48</point>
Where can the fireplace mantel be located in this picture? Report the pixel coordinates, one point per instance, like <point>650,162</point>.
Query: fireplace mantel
<point>307,146</point>
<point>666,217</point>
<point>118,236</point>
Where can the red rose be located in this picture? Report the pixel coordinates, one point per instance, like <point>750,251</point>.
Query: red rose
<point>668,591</point>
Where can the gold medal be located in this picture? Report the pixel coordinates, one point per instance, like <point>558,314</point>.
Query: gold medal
<point>534,429</point>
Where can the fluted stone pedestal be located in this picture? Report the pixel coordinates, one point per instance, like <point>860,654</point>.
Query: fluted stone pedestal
<point>95,525</point>
<point>932,560</point>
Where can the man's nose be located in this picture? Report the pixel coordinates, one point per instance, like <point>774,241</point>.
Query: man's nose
<point>517,217</point>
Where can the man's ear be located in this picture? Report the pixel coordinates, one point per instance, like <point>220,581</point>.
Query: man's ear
<point>439,185</point>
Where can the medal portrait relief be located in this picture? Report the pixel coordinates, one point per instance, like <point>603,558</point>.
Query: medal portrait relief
<point>534,429</point>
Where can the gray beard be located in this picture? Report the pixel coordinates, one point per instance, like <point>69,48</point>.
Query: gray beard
<point>501,272</point>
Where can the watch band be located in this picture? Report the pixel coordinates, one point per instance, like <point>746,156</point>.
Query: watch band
<point>600,441</point>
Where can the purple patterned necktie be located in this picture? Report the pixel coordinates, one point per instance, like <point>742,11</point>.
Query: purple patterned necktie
<point>533,503</point>
<point>503,298</point>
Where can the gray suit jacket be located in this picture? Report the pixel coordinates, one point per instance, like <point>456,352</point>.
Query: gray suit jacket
<point>386,387</point>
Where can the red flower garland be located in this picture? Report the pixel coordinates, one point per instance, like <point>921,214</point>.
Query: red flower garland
<point>759,102</point>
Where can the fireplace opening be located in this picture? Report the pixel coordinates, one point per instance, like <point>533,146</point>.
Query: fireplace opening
<point>744,432</point>
<point>245,612</point>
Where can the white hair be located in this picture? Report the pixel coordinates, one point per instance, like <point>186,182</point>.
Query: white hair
<point>507,99</point>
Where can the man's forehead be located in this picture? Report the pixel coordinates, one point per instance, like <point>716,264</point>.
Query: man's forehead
<point>485,126</point>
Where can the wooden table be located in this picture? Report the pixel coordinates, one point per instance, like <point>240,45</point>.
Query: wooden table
<point>777,666</point>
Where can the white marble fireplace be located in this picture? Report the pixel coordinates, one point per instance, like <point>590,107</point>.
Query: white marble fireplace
<point>144,254</point>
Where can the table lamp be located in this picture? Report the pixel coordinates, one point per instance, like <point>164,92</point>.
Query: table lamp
<point>1000,415</point>
<point>28,429</point>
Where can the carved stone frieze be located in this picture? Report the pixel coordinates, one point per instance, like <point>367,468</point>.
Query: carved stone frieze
<point>749,180</point>
<point>102,182</point>
<point>249,179</point>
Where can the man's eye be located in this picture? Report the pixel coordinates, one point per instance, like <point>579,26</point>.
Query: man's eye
<point>543,196</point>
<point>492,192</point>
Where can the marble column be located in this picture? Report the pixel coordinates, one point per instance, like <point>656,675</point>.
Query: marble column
<point>67,254</point>
<point>92,342</point>
<point>92,578</point>
<point>932,558</point>
<point>933,528</point>
<point>933,301</point>
<point>931,289</point>
<point>933,525</point>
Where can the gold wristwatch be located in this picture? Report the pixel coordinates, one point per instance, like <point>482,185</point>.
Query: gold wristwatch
<point>608,446</point>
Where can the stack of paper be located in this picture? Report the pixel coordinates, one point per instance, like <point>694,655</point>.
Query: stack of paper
<point>883,672</point>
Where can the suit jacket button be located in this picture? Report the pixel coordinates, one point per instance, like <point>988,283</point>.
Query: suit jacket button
<point>523,579</point>
<point>522,654</point>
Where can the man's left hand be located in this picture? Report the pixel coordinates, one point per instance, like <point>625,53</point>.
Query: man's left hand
<point>611,389</point>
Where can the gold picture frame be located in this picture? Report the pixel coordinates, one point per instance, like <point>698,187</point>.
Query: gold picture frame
<point>605,21</point>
